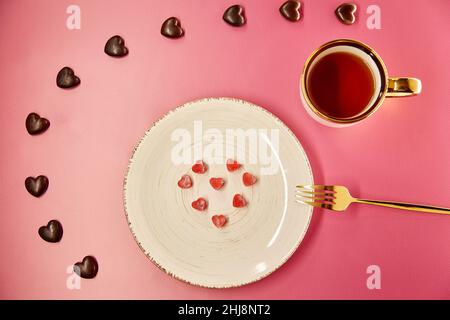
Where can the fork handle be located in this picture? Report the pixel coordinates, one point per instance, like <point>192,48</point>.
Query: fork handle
<point>405,206</point>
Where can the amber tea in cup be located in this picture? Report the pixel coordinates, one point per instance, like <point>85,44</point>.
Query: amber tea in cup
<point>341,85</point>
<point>344,81</point>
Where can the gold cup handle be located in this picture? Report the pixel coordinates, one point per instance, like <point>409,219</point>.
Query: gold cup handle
<point>403,87</point>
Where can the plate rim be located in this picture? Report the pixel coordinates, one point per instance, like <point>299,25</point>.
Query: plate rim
<point>130,163</point>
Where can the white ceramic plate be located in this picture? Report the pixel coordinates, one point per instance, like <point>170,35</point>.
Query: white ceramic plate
<point>184,242</point>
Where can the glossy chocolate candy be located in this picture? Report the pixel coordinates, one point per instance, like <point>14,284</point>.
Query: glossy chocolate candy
<point>87,268</point>
<point>291,10</point>
<point>171,28</point>
<point>115,47</point>
<point>346,13</point>
<point>66,78</point>
<point>235,16</point>
<point>36,186</point>
<point>52,232</point>
<point>35,124</point>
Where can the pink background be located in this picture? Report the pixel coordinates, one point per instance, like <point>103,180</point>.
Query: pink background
<point>400,153</point>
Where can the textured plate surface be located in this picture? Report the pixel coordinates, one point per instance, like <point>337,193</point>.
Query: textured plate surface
<point>182,241</point>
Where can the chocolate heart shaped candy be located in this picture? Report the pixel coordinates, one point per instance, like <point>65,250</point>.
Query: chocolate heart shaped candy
<point>346,13</point>
<point>52,232</point>
<point>291,10</point>
<point>171,28</point>
<point>86,269</point>
<point>115,47</point>
<point>66,78</point>
<point>235,16</point>
<point>36,186</point>
<point>35,124</point>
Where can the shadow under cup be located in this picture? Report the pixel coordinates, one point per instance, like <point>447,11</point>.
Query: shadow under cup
<point>345,81</point>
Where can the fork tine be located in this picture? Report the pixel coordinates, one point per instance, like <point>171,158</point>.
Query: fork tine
<point>329,200</point>
<point>316,187</point>
<point>315,204</point>
<point>321,193</point>
<point>305,187</point>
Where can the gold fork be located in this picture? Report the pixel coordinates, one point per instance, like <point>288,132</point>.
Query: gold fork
<point>338,198</point>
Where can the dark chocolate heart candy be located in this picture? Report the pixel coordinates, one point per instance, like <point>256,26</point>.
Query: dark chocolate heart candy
<point>235,16</point>
<point>346,13</point>
<point>291,10</point>
<point>171,28</point>
<point>35,124</point>
<point>115,47</point>
<point>52,232</point>
<point>36,186</point>
<point>87,269</point>
<point>66,78</point>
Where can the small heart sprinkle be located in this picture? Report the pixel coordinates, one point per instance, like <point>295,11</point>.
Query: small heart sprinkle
<point>239,201</point>
<point>185,182</point>
<point>200,204</point>
<point>199,167</point>
<point>219,220</point>
<point>217,183</point>
<point>232,165</point>
<point>248,179</point>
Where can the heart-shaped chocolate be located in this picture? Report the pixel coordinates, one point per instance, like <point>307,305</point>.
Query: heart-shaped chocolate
<point>291,10</point>
<point>86,269</point>
<point>171,28</point>
<point>346,13</point>
<point>52,232</point>
<point>36,186</point>
<point>66,78</point>
<point>115,47</point>
<point>235,16</point>
<point>35,124</point>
